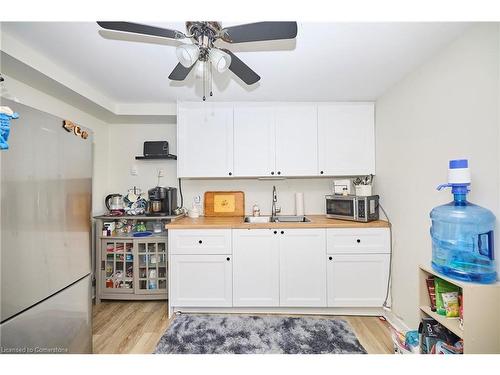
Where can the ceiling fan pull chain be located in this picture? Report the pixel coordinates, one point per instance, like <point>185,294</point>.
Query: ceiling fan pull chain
<point>211,79</point>
<point>204,68</point>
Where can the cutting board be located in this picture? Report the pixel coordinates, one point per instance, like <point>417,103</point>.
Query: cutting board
<point>224,203</point>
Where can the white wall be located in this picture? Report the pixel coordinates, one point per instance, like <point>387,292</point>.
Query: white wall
<point>448,108</point>
<point>260,192</point>
<point>37,99</point>
<point>126,141</point>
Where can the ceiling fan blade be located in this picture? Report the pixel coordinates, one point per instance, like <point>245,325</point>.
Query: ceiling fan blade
<point>259,31</point>
<point>242,70</point>
<point>138,28</point>
<point>180,72</point>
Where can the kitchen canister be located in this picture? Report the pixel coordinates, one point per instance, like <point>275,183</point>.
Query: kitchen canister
<point>363,190</point>
<point>299,204</point>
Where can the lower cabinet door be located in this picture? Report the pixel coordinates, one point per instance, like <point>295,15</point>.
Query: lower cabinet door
<point>201,280</point>
<point>302,267</point>
<point>256,268</point>
<point>357,280</point>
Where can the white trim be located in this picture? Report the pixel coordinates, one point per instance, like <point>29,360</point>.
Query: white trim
<point>146,109</point>
<point>361,311</point>
<point>27,55</point>
<point>30,57</point>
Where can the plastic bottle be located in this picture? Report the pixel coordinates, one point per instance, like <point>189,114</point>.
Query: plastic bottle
<point>462,232</point>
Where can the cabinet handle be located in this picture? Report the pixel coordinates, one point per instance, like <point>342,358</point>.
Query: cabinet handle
<point>272,173</point>
<point>230,173</point>
<point>282,232</point>
<point>275,232</point>
<point>103,265</point>
<point>330,258</point>
<point>279,172</point>
<point>200,241</point>
<point>321,172</point>
<point>358,240</point>
<point>228,259</point>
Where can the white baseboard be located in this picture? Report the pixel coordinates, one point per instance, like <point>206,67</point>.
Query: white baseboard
<point>357,311</point>
<point>395,321</point>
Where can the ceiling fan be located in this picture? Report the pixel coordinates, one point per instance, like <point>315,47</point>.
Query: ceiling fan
<point>204,34</point>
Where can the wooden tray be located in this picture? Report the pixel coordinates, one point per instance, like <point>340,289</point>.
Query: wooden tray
<point>224,203</point>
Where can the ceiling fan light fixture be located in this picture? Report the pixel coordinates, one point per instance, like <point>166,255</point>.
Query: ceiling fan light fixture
<point>187,54</point>
<point>220,59</point>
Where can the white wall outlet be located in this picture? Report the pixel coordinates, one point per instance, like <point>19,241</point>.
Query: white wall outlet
<point>197,199</point>
<point>134,171</point>
<point>161,172</point>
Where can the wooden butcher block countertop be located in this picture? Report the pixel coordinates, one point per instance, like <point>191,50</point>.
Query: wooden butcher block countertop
<point>317,221</point>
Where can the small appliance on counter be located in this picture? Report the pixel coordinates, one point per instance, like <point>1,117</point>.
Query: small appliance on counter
<point>352,207</point>
<point>342,187</point>
<point>114,204</point>
<point>162,201</point>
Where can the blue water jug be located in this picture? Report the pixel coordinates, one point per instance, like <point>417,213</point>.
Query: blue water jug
<point>462,232</point>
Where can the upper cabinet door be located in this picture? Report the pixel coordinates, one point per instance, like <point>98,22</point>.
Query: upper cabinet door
<point>296,140</point>
<point>205,140</point>
<point>346,139</point>
<point>254,146</point>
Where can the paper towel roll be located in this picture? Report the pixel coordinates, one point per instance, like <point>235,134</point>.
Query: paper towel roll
<point>299,204</point>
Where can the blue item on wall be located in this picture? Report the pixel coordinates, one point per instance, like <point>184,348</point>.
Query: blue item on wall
<point>462,232</point>
<point>5,129</point>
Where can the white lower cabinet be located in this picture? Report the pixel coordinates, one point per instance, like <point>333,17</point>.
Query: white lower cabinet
<point>302,267</point>
<point>256,268</point>
<point>279,267</point>
<point>357,280</point>
<point>201,280</point>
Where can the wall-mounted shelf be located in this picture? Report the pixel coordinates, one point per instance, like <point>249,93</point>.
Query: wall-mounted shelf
<point>165,157</point>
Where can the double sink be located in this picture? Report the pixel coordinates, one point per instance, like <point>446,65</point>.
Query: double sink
<point>276,219</point>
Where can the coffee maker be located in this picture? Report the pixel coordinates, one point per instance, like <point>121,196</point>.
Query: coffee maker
<point>162,201</point>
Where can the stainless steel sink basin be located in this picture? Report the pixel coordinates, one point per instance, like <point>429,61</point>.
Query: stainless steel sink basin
<point>257,219</point>
<point>291,219</point>
<point>276,219</point>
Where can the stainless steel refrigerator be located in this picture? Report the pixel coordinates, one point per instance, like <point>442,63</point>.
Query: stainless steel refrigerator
<point>46,195</point>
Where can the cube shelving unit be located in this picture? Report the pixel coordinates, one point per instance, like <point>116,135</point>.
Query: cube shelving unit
<point>481,313</point>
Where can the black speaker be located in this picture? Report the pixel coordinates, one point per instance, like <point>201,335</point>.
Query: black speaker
<point>155,148</point>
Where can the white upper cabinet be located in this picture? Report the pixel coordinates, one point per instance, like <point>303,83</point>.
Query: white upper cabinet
<point>275,139</point>
<point>205,140</point>
<point>346,139</point>
<point>296,139</point>
<point>254,140</point>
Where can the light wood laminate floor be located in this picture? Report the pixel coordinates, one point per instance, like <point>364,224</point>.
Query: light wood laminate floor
<point>136,327</point>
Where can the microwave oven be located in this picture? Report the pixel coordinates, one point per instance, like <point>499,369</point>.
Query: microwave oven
<point>352,207</point>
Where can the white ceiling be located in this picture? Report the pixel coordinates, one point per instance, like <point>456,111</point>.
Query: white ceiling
<point>326,62</point>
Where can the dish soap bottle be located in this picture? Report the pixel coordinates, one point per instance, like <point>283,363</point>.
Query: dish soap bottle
<point>462,232</point>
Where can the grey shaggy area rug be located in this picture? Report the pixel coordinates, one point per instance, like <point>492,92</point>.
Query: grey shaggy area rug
<point>230,334</point>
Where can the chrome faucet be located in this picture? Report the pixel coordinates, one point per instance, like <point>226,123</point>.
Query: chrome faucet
<point>274,209</point>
